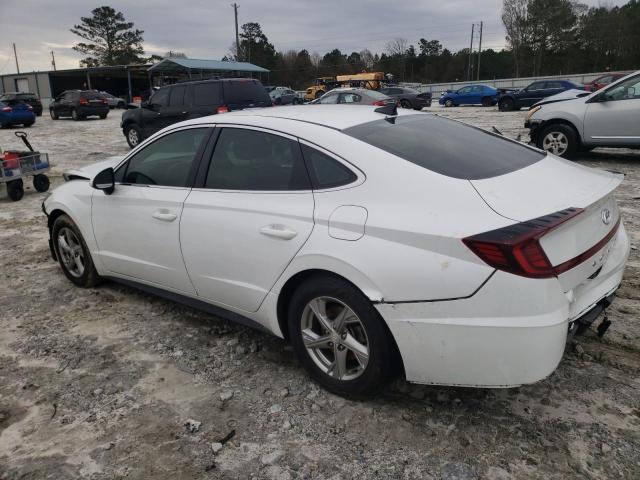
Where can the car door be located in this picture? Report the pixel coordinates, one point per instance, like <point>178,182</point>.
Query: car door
<point>250,213</point>
<point>463,96</point>
<point>63,106</point>
<point>178,109</point>
<point>329,98</point>
<point>151,114</point>
<point>553,87</point>
<point>532,94</point>
<point>137,226</point>
<point>613,117</point>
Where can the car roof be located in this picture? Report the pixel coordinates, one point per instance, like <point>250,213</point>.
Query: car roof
<point>337,117</point>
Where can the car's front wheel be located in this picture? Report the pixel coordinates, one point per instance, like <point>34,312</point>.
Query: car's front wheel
<point>54,115</point>
<point>340,338</point>
<point>72,253</point>
<point>448,102</point>
<point>405,103</point>
<point>133,135</point>
<point>559,139</point>
<point>506,105</point>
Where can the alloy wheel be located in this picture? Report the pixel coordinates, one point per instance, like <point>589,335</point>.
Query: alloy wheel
<point>335,338</point>
<point>556,143</point>
<point>133,137</point>
<point>71,252</point>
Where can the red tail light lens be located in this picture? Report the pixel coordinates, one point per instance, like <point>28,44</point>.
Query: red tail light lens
<point>516,249</point>
<point>222,109</point>
<point>7,109</point>
<point>379,103</point>
<point>83,101</point>
<point>29,107</point>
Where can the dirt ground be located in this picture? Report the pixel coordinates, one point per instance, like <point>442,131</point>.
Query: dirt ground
<point>111,383</point>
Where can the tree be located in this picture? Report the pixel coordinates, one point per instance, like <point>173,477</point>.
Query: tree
<point>255,47</point>
<point>515,20</point>
<point>110,39</point>
<point>174,54</point>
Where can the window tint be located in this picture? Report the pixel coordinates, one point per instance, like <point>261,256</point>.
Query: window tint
<point>176,97</point>
<point>554,85</point>
<point>331,98</point>
<point>446,146</point>
<point>167,161</point>
<point>627,90</point>
<point>350,98</point>
<point>207,94</point>
<point>536,86</point>
<point>160,98</point>
<point>253,160</point>
<point>325,171</point>
<point>89,95</point>
<point>464,90</point>
<point>245,92</point>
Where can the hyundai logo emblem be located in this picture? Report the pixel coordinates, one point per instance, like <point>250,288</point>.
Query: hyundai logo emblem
<point>606,216</point>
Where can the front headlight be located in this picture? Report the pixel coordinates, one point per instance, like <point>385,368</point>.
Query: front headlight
<point>532,111</point>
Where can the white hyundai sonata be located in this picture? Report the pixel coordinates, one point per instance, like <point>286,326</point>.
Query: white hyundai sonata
<point>375,243</point>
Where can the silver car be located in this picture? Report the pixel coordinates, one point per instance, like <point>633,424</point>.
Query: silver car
<point>355,96</point>
<point>113,101</point>
<point>575,120</point>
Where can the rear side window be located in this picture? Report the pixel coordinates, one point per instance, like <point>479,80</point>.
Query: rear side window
<point>253,160</point>
<point>245,92</point>
<point>325,171</point>
<point>91,95</point>
<point>176,97</point>
<point>207,94</point>
<point>447,147</point>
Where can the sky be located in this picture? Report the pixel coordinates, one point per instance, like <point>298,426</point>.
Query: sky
<point>205,28</point>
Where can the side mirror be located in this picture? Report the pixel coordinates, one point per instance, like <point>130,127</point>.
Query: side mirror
<point>105,181</point>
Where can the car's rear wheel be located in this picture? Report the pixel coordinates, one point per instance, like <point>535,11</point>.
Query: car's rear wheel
<point>506,105</point>
<point>54,115</point>
<point>340,338</point>
<point>133,135</point>
<point>559,139</point>
<point>405,103</point>
<point>448,102</point>
<point>103,116</point>
<point>487,101</point>
<point>72,253</point>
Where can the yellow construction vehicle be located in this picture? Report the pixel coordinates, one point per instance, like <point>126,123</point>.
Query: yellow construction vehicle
<point>322,85</point>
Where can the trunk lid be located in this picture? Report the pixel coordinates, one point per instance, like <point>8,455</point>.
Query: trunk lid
<point>551,185</point>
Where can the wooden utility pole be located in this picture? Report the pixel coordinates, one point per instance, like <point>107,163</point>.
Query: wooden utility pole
<point>470,75</point>
<point>53,60</point>
<point>16,55</point>
<point>479,53</point>
<point>235,12</point>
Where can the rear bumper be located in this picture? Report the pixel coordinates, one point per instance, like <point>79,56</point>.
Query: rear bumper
<point>90,110</point>
<point>513,331</point>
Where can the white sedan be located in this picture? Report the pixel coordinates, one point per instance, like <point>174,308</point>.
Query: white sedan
<point>376,243</point>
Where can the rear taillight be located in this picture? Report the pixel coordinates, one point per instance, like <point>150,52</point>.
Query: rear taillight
<point>6,109</point>
<point>83,101</point>
<point>516,249</point>
<point>222,109</point>
<point>29,107</point>
<point>379,103</point>
<point>104,102</point>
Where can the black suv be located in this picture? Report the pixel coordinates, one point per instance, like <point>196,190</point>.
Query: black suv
<point>79,104</point>
<point>28,98</point>
<point>182,101</point>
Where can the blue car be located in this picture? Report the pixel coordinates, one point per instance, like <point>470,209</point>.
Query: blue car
<point>16,113</point>
<point>472,95</point>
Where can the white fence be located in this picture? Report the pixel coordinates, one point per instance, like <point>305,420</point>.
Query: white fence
<point>436,88</point>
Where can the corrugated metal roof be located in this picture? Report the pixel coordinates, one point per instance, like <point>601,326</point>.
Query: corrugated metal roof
<point>195,64</point>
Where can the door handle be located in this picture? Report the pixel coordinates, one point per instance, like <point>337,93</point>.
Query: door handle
<point>278,231</point>
<point>164,215</point>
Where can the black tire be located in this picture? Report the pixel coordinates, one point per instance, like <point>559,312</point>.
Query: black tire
<point>559,130</point>
<point>28,124</point>
<point>131,137</point>
<point>448,103</point>
<point>41,182</point>
<point>487,101</point>
<point>89,277</point>
<point>75,115</point>
<point>382,357</point>
<point>54,115</point>
<point>15,190</point>
<point>506,105</point>
<point>103,116</point>
<point>404,103</point>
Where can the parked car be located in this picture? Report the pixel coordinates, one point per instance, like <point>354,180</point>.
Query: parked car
<point>470,95</point>
<point>16,112</point>
<point>113,101</point>
<point>373,243</point>
<point>28,98</point>
<point>603,81</point>
<point>408,97</point>
<point>79,104</point>
<point>354,96</point>
<point>532,93</point>
<point>183,101</point>
<point>284,97</point>
<point>566,124</point>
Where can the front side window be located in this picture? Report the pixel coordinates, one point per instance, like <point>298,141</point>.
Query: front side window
<point>325,171</point>
<point>350,98</point>
<point>160,98</point>
<point>627,90</point>
<point>327,99</point>
<point>254,160</point>
<point>464,90</point>
<point>447,147</point>
<point>536,86</point>
<point>165,162</point>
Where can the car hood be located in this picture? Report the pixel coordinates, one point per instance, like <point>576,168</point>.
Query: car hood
<point>91,170</point>
<point>572,94</point>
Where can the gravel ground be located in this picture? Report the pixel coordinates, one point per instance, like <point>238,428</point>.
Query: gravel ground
<point>111,383</point>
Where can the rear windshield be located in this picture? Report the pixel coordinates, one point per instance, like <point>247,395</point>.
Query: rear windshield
<point>245,92</point>
<point>26,96</point>
<point>91,95</point>
<point>445,146</point>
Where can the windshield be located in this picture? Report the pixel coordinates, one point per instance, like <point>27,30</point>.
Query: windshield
<point>445,146</point>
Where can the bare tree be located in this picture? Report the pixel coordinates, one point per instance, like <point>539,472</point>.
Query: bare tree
<point>397,47</point>
<point>367,58</point>
<point>315,59</point>
<point>515,20</point>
